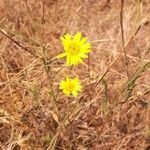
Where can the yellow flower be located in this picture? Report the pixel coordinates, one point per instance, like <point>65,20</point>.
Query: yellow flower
<point>70,86</point>
<point>76,47</point>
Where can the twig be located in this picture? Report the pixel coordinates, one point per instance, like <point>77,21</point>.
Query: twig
<point>18,44</point>
<point>47,67</point>
<point>89,75</point>
<point>121,23</point>
<point>119,56</point>
<point>122,36</point>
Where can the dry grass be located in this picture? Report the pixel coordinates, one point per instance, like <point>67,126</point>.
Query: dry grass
<point>113,111</point>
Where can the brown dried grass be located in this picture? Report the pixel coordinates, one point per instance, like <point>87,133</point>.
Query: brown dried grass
<point>113,111</point>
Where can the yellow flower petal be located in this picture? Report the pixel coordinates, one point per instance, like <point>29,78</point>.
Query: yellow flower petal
<point>77,37</point>
<point>61,55</point>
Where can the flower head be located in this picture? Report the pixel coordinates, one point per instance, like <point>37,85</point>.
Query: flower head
<point>70,86</point>
<point>76,48</point>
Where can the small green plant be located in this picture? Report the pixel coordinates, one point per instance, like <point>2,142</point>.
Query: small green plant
<point>131,83</point>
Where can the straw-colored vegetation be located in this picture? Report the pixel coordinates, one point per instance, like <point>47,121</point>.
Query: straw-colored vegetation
<point>97,97</point>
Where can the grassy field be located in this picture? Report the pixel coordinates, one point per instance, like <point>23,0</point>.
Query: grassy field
<point>112,112</point>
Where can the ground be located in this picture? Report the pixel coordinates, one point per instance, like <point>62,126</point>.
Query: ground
<point>113,110</point>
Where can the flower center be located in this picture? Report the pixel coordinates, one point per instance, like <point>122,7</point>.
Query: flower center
<point>70,87</point>
<point>74,48</point>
